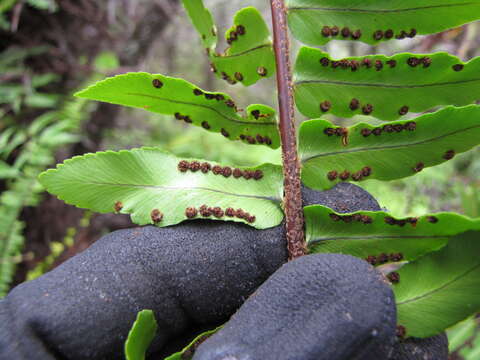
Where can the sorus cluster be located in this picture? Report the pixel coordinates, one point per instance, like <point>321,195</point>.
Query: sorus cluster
<point>390,128</point>
<point>349,218</point>
<point>218,212</point>
<point>357,176</point>
<point>226,171</point>
<point>384,258</point>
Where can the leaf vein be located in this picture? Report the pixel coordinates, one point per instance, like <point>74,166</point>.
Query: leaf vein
<point>314,8</point>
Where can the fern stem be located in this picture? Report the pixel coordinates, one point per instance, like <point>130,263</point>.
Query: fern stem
<point>291,165</point>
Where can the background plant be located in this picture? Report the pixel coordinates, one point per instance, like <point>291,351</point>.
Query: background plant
<point>406,184</point>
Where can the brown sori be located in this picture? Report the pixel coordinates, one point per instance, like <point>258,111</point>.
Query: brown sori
<point>260,139</point>
<point>240,30</point>
<point>262,71</point>
<point>250,139</point>
<point>190,212</point>
<point>224,132</point>
<point>218,212</point>
<point>230,212</point>
<point>367,109</point>
<point>258,174</point>
<point>237,173</point>
<point>426,62</point>
<point>378,65</point>
<point>255,114</point>
<point>388,128</point>
<point>157,83</point>
<point>156,216</point>
<point>389,34</point>
<point>325,106</point>
<point>367,219</point>
<point>238,76</point>
<point>230,103</point>
<point>217,169</point>
<point>187,119</point>
<point>324,61</point>
<point>367,171</point>
<point>432,219</point>
<point>365,132</point>
<point>378,35</point>
<point>118,206</point>
<point>390,220</point>
<point>371,259</point>
<point>398,127</point>
<point>382,258</point>
<point>204,211</point>
<point>410,126</point>
<point>247,174</point>
<point>239,213</point>
<point>357,176</point>
<point>332,175</point>
<point>194,166</point>
<point>396,257</point>
<point>205,167</point>
<point>345,175</point>
<point>457,67</point>
<point>335,217</point>
<point>413,61</point>
<point>227,171</point>
<point>449,154</point>
<point>183,165</point>
<point>377,131</point>
<point>197,92</point>
<point>205,125</point>
<point>419,167</point>
<point>357,34</point>
<point>412,33</point>
<point>178,116</point>
<point>367,63</point>
<point>326,32</point>
<point>354,104</point>
<point>403,110</point>
<point>401,331</point>
<point>345,32</point>
<point>334,30</point>
<point>392,63</point>
<point>394,277</point>
<point>329,131</point>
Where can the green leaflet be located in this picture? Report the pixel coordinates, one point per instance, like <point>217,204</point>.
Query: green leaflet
<point>394,19</point>
<point>203,22</point>
<point>326,233</point>
<point>391,91</point>
<point>215,112</point>
<point>147,184</point>
<point>441,288</point>
<point>436,138</point>
<point>249,56</point>
<point>141,335</point>
<point>189,350</point>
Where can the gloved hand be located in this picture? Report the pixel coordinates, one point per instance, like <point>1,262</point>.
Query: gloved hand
<point>194,276</point>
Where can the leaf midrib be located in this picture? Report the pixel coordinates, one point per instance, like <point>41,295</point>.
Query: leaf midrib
<point>432,292</point>
<point>319,239</point>
<point>384,147</point>
<point>317,8</point>
<point>274,199</point>
<point>242,52</point>
<point>203,106</point>
<point>382,85</point>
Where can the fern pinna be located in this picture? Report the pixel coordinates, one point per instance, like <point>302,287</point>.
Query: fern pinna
<point>435,255</point>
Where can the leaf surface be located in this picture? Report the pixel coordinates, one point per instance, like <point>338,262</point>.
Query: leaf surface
<point>141,335</point>
<point>325,233</point>
<point>436,138</point>
<point>249,56</point>
<point>391,91</point>
<point>147,182</point>
<point>203,22</point>
<point>441,288</point>
<point>308,17</point>
<point>211,110</point>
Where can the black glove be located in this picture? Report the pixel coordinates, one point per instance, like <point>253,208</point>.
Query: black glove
<point>194,276</point>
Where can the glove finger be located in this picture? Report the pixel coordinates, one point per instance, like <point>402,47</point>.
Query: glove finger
<point>433,348</point>
<point>318,307</point>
